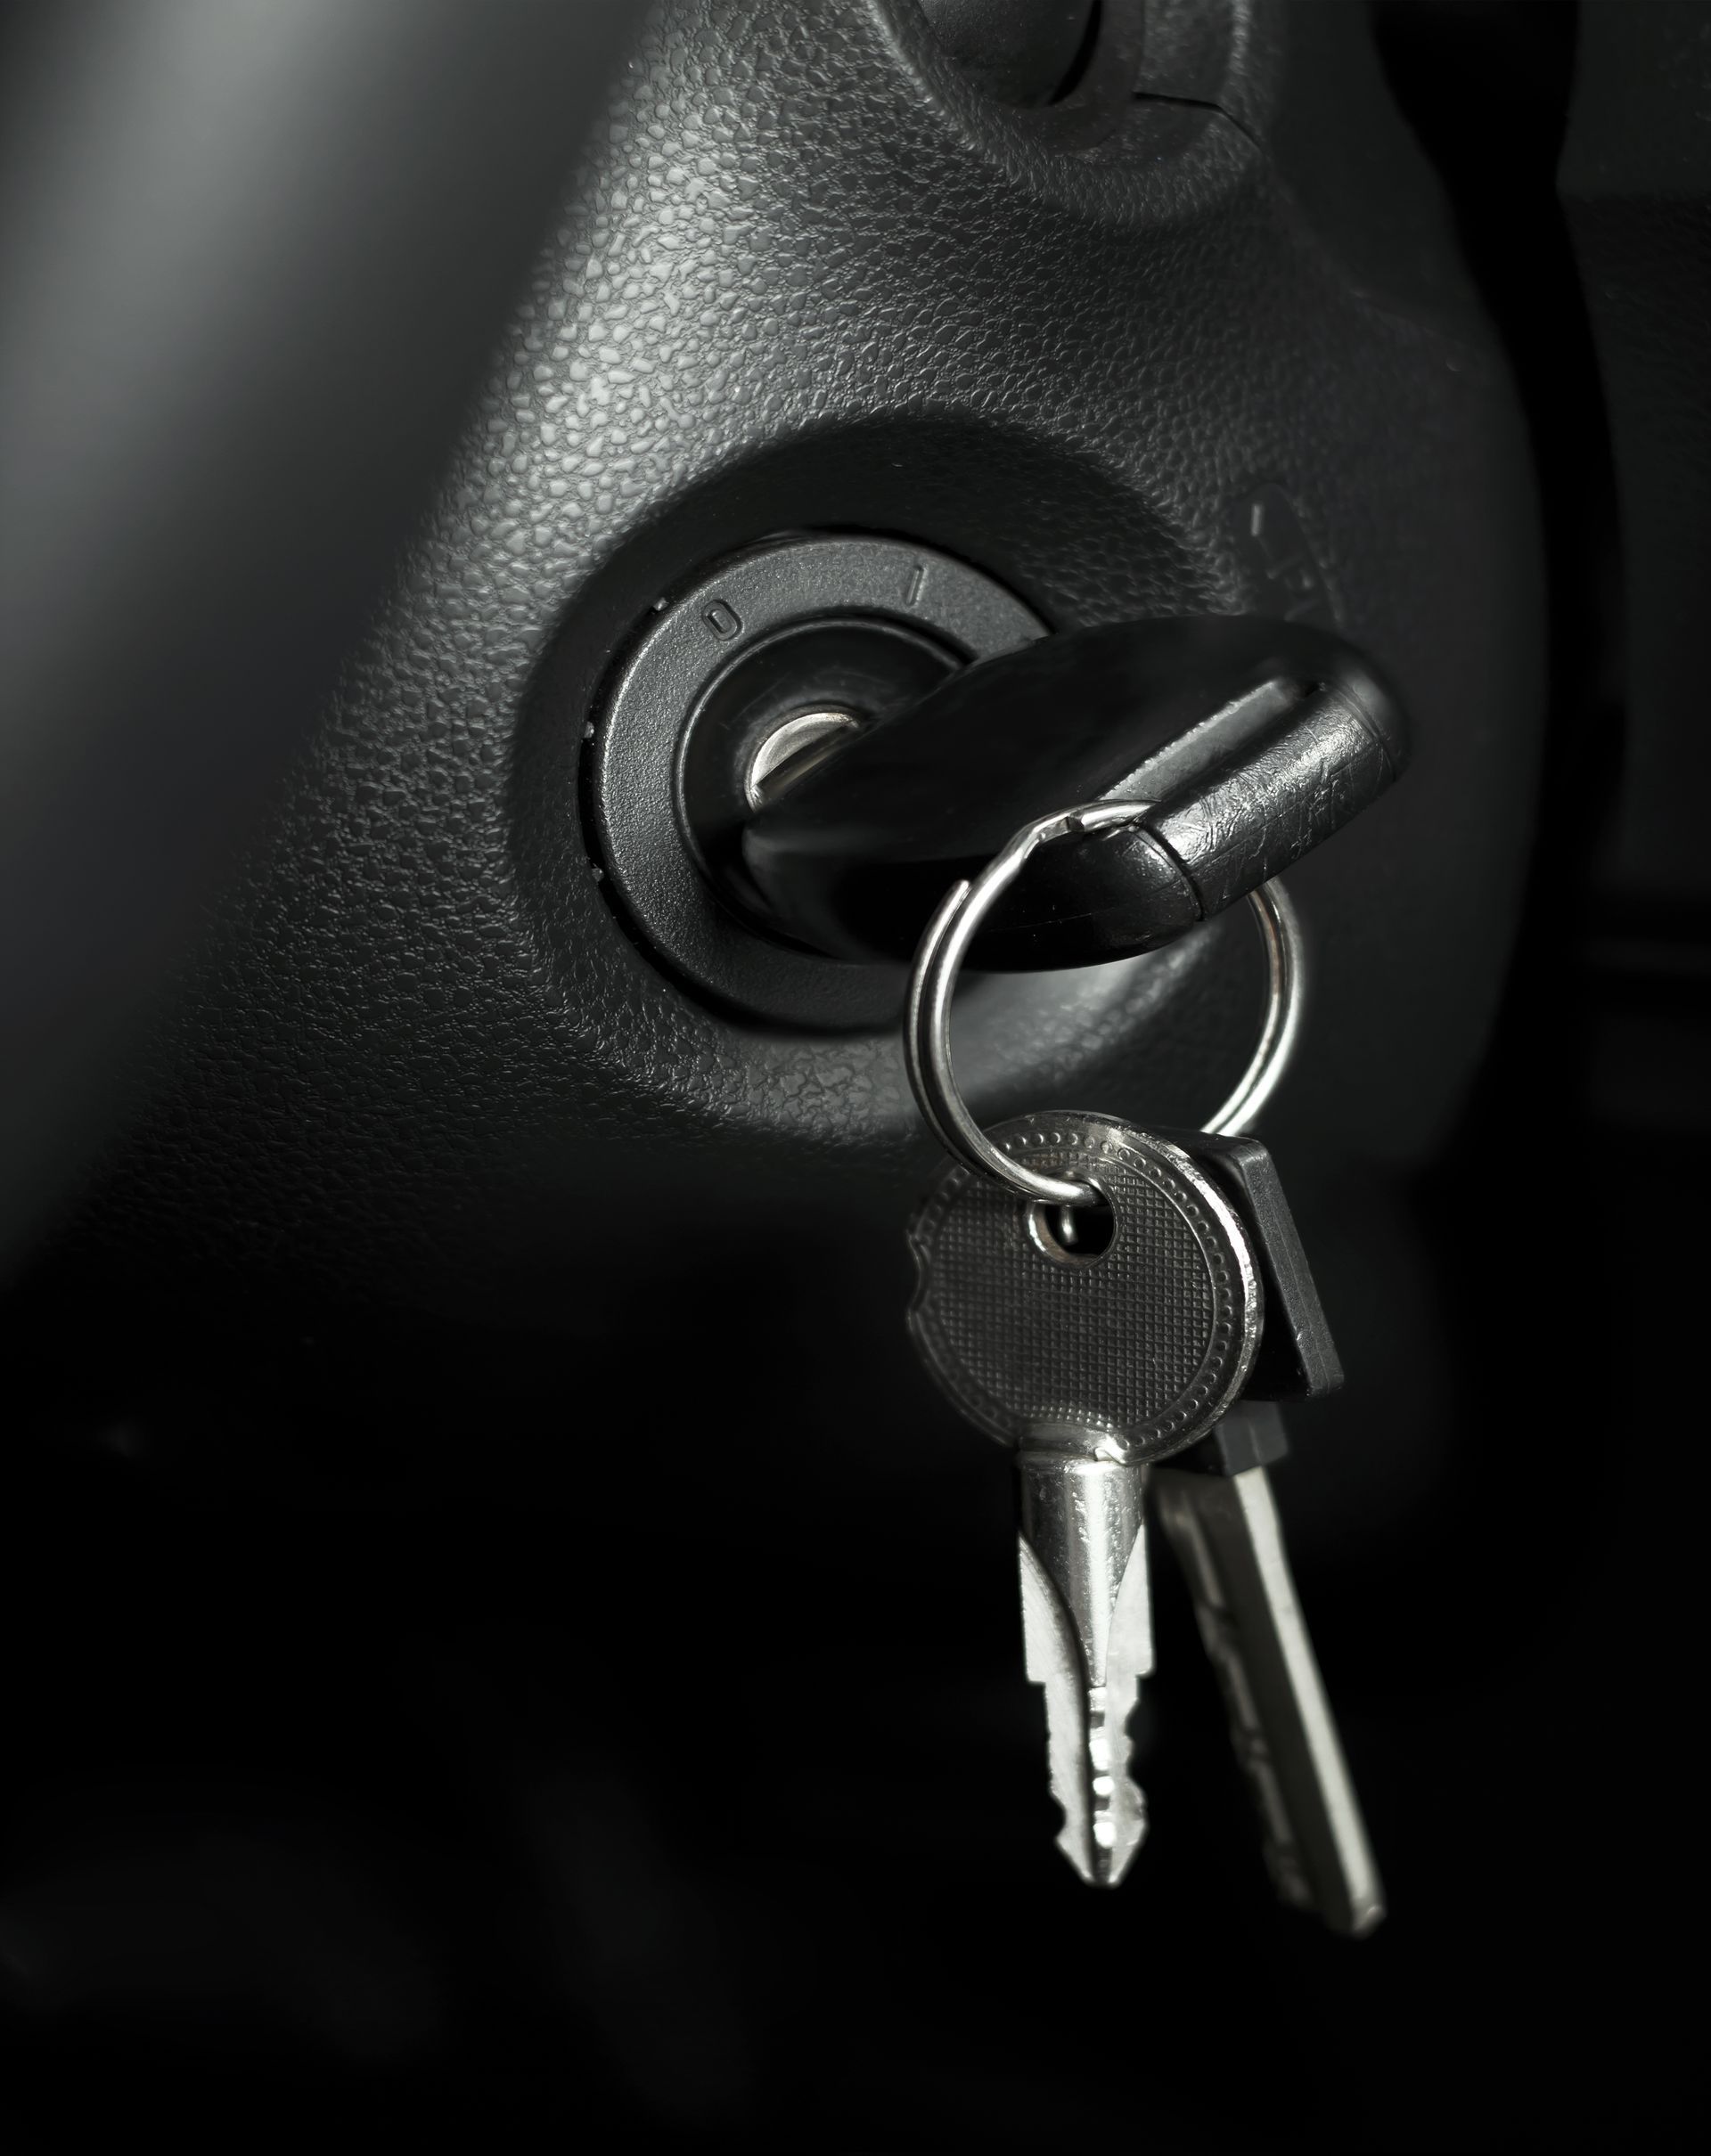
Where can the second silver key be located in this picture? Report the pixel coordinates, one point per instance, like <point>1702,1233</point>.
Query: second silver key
<point>1225,1529</point>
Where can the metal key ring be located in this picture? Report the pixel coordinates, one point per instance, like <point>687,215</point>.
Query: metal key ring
<point>927,1026</point>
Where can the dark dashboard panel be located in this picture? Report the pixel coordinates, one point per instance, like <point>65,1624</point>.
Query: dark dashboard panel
<point>813,280</point>
<point>485,1517</point>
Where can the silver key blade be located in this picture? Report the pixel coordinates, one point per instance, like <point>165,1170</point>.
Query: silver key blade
<point>1087,1623</point>
<point>1227,1534</point>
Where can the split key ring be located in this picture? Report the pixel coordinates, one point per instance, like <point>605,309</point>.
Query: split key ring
<point>926,1025</point>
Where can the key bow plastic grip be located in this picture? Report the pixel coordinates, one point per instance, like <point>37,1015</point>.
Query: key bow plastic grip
<point>1254,739</point>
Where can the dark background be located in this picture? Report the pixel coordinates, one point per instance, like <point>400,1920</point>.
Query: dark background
<point>374,1765</point>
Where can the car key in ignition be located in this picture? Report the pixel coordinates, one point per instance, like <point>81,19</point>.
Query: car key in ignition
<point>1101,1299</point>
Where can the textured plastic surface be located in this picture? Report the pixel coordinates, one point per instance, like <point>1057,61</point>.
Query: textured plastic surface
<point>253,262</point>
<point>813,280</point>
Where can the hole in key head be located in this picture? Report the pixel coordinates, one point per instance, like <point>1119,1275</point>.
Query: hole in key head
<point>1074,1235</point>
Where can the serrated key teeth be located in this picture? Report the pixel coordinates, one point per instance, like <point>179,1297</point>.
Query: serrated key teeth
<point>1104,1813</point>
<point>1086,1624</point>
<point>1114,1831</point>
<point>1116,1810</point>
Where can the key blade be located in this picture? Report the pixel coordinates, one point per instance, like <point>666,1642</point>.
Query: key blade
<point>1227,1537</point>
<point>1087,1626</point>
<point>1104,1813</point>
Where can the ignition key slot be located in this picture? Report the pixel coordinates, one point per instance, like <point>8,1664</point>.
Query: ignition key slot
<point>734,688</point>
